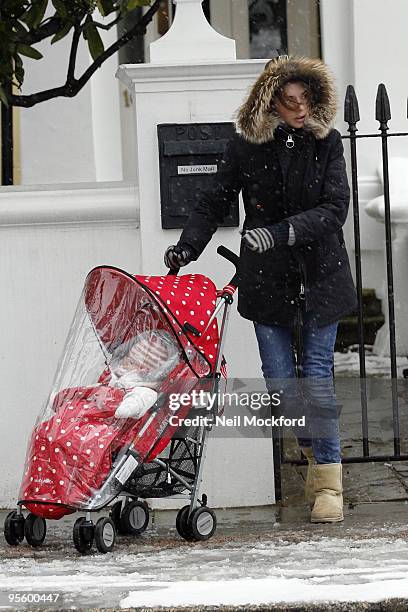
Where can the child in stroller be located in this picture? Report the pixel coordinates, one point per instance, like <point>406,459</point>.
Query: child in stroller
<point>139,367</point>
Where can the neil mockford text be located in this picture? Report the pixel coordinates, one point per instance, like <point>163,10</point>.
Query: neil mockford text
<point>216,402</point>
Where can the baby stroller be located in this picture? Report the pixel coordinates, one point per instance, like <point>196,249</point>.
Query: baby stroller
<point>93,445</point>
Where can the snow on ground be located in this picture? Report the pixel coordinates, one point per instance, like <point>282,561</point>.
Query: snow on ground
<point>234,573</point>
<point>267,590</point>
<point>274,570</point>
<point>375,364</point>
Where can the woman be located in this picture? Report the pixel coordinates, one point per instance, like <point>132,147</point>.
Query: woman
<point>289,164</point>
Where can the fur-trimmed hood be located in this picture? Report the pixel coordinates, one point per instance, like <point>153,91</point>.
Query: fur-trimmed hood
<point>257,122</point>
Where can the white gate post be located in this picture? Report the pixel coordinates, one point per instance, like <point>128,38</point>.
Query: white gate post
<point>194,78</point>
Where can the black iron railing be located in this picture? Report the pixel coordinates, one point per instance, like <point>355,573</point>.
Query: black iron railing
<point>352,117</point>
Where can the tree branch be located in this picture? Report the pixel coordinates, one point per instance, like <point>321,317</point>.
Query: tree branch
<point>73,54</point>
<point>110,25</point>
<point>72,85</point>
<point>49,28</point>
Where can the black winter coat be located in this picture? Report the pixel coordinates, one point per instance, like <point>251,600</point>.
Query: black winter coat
<point>306,186</point>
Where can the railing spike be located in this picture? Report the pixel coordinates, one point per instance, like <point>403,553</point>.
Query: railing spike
<point>382,105</point>
<point>351,110</point>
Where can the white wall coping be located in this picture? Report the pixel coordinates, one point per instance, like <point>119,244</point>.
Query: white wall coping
<point>68,203</point>
<point>398,205</point>
<point>199,71</point>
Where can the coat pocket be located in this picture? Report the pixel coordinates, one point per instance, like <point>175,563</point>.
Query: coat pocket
<point>331,256</point>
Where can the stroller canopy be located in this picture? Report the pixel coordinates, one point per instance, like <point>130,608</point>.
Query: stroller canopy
<point>122,306</point>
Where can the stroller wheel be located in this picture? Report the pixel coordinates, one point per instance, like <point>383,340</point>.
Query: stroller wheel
<point>35,529</point>
<point>83,535</point>
<point>105,534</point>
<point>115,516</point>
<point>202,523</point>
<point>134,518</point>
<point>182,524</point>
<point>14,528</point>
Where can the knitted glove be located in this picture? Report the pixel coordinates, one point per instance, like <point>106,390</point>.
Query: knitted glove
<point>178,255</point>
<point>260,239</point>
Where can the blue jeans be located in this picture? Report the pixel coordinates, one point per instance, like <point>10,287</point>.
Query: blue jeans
<point>313,394</point>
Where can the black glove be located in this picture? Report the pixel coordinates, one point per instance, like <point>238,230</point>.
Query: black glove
<point>178,255</point>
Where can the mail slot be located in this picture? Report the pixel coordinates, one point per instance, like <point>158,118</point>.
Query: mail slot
<point>189,156</point>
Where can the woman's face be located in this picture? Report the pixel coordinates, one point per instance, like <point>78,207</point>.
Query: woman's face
<point>293,104</point>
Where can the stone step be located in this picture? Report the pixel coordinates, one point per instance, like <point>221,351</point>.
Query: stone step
<point>372,317</point>
<point>371,304</point>
<point>348,331</point>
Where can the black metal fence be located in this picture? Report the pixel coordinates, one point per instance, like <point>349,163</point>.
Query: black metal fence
<point>352,117</point>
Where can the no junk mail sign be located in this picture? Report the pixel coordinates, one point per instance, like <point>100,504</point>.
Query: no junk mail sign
<point>189,156</point>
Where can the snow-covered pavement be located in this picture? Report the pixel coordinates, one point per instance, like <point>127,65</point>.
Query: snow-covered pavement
<point>253,559</point>
<point>366,559</point>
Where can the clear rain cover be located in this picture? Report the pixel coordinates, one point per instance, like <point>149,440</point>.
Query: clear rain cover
<point>120,342</point>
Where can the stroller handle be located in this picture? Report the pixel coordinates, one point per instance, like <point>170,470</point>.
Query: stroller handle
<point>234,259</point>
<point>224,252</point>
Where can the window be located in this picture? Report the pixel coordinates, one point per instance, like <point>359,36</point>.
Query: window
<point>267,28</point>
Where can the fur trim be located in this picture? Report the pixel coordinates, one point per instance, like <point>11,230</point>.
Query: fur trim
<point>256,122</point>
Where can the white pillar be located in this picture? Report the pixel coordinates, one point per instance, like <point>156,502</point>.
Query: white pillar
<point>191,37</point>
<point>398,175</point>
<point>205,90</point>
<point>400,260</point>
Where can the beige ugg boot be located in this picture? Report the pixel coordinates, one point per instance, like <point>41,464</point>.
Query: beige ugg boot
<point>307,451</point>
<point>328,488</point>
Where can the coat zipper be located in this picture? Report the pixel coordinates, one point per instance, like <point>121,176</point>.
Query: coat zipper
<point>302,289</point>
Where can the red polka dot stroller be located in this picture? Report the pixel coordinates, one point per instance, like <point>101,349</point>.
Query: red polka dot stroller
<point>113,431</point>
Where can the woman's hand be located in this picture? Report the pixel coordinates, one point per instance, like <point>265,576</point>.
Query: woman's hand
<point>177,256</point>
<point>261,239</point>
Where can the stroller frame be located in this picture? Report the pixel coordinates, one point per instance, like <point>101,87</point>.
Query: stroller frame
<point>195,521</point>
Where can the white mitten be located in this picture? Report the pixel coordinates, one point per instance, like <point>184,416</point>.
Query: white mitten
<point>136,403</point>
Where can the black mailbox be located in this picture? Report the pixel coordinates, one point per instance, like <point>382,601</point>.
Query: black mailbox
<point>190,154</point>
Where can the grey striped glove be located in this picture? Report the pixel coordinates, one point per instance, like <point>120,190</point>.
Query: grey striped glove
<point>177,256</point>
<point>260,239</point>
